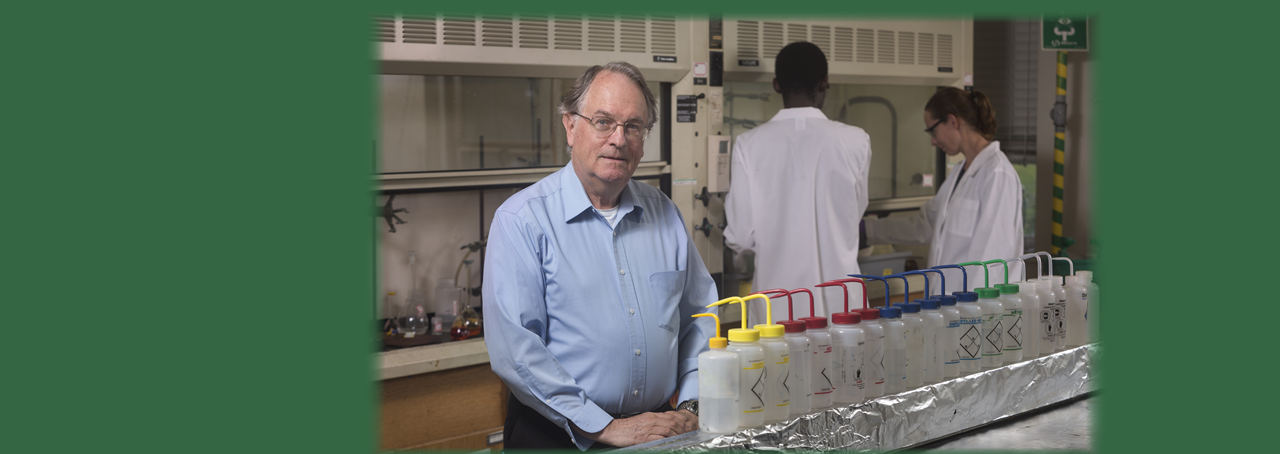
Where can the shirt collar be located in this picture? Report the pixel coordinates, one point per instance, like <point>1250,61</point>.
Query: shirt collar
<point>576,201</point>
<point>799,112</point>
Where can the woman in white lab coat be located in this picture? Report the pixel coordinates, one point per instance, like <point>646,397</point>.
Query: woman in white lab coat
<point>977,213</point>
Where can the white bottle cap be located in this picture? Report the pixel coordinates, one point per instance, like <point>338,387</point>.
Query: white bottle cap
<point>1070,279</point>
<point>1086,275</point>
<point>1057,281</point>
<point>1027,286</point>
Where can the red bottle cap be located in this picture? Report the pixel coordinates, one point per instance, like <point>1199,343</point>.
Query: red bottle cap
<point>868,314</point>
<point>792,326</point>
<point>815,322</point>
<point>845,318</point>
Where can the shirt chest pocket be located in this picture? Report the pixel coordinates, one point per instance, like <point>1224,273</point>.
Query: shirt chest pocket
<point>962,217</point>
<point>666,288</point>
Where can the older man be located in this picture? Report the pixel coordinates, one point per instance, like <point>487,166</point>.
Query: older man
<point>590,284</point>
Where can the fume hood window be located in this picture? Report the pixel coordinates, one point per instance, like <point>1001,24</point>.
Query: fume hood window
<point>903,169</point>
<point>448,123</point>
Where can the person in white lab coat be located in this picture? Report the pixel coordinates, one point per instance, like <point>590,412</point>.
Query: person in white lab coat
<point>798,188</point>
<point>977,213</point>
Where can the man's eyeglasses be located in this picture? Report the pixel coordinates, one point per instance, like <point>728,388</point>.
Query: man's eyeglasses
<point>935,125</point>
<point>604,126</point>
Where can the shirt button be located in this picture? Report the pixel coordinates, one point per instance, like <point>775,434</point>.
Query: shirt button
<point>637,352</point>
<point>632,310</point>
<point>624,272</point>
<point>635,392</point>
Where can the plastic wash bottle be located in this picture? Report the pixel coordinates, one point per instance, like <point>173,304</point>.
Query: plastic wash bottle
<point>915,344</point>
<point>820,375</point>
<point>848,342</point>
<point>777,365</point>
<point>935,324</point>
<point>746,343</point>
<point>970,339</point>
<point>717,385</point>
<point>895,350</point>
<point>1012,322</point>
<point>1032,329</point>
<point>798,349</point>
<point>1092,313</point>
<point>873,355</point>
<point>950,337</point>
<point>1060,312</point>
<point>1077,304</point>
<point>992,328</point>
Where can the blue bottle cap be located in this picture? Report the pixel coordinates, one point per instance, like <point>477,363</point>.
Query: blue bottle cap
<point>911,308</point>
<point>947,300</point>
<point>929,303</point>
<point>966,297</point>
<point>890,312</point>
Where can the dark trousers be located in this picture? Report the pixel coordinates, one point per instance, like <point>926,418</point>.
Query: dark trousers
<point>526,429</point>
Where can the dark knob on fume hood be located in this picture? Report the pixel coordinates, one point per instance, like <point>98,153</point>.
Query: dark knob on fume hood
<point>705,227</point>
<point>705,197</point>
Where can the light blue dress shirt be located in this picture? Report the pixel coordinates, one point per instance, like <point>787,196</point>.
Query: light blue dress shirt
<point>584,321</point>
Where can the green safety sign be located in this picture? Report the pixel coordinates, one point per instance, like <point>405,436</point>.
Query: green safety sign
<point>1065,33</point>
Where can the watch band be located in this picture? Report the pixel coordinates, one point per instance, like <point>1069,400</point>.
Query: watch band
<point>691,405</point>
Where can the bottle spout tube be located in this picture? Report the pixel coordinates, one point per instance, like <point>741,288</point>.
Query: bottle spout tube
<point>964,276</point>
<point>712,315</point>
<point>875,278</point>
<point>1048,263</point>
<point>1002,262</point>
<point>846,294</point>
<point>906,288</point>
<point>776,292</point>
<point>768,308</point>
<point>921,274</point>
<point>1024,266</point>
<point>731,300</point>
<point>986,276</point>
<point>941,278</point>
<point>1071,266</point>
<point>805,290</point>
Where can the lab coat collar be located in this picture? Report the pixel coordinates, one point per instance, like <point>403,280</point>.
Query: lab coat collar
<point>576,201</point>
<point>798,112</point>
<point>984,157</point>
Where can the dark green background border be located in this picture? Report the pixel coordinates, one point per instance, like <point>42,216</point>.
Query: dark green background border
<point>188,248</point>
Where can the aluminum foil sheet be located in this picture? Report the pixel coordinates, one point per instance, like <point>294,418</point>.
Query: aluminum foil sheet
<point>915,416</point>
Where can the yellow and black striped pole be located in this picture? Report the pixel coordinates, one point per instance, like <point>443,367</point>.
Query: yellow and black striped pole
<point>1059,116</point>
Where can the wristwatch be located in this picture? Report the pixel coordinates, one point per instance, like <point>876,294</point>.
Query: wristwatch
<point>691,405</point>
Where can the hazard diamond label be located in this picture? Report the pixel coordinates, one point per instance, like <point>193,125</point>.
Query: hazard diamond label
<point>758,389</point>
<point>994,337</point>
<point>970,346</point>
<point>1015,332</point>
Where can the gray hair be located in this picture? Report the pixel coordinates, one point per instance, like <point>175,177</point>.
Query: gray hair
<point>574,98</point>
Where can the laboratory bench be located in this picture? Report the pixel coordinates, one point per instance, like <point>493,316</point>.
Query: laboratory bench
<point>445,396</point>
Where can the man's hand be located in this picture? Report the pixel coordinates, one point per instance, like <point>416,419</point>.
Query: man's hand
<point>645,427</point>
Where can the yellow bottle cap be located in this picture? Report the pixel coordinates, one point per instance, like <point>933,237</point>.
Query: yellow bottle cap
<point>715,342</point>
<point>771,330</point>
<point>744,335</point>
